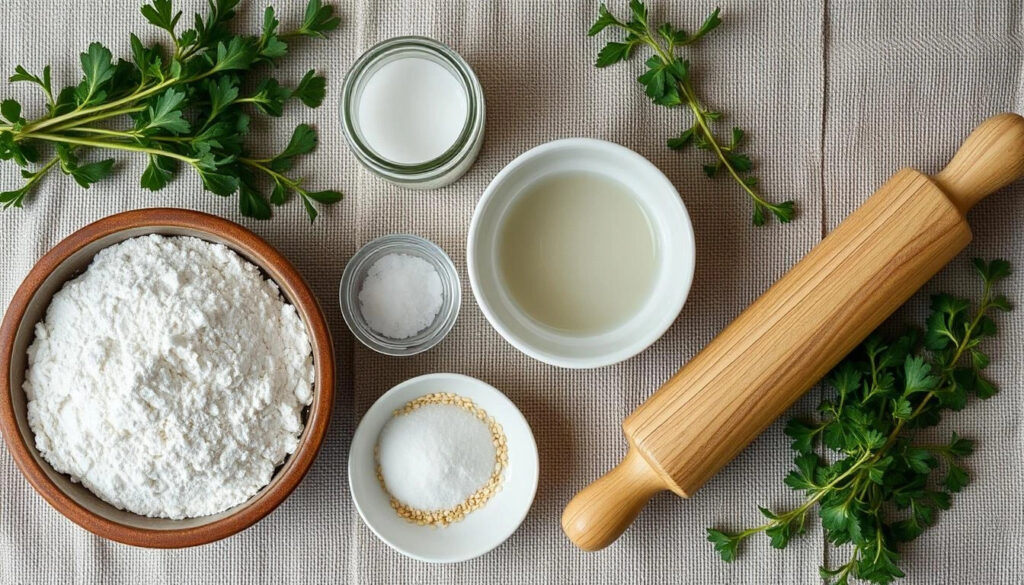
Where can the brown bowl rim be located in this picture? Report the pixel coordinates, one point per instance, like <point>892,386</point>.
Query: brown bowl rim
<point>288,278</point>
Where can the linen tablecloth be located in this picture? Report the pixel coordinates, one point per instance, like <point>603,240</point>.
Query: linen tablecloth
<point>835,96</point>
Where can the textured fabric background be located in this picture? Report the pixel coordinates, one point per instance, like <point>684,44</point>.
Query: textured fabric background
<point>835,97</point>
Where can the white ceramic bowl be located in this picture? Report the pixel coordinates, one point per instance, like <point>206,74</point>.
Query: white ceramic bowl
<point>481,530</point>
<point>672,230</point>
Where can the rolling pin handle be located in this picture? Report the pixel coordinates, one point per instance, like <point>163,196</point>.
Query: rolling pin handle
<point>991,158</point>
<point>605,508</point>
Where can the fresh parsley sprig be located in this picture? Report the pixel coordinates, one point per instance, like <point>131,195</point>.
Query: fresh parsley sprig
<point>180,105</point>
<point>886,487</point>
<point>667,82</point>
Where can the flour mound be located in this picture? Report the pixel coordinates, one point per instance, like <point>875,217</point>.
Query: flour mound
<point>169,378</point>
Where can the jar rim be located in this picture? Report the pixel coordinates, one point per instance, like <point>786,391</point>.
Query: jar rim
<point>450,158</point>
<point>355,272</point>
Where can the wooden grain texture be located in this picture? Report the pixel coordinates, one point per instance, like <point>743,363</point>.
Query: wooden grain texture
<point>985,162</point>
<point>792,335</point>
<point>616,497</point>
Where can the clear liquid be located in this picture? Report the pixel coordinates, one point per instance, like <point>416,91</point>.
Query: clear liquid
<point>577,253</point>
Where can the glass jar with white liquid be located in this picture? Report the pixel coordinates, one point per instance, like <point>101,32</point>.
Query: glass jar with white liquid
<point>413,112</point>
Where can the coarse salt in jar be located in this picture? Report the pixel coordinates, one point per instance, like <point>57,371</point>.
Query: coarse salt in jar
<point>413,112</point>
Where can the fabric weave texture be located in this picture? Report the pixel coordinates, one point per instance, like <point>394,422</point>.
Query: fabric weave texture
<point>835,96</point>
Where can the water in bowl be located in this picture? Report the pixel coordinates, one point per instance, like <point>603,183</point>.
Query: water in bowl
<point>577,253</point>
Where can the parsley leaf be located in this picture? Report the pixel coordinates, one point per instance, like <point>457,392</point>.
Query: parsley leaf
<point>992,272</point>
<point>725,544</point>
<point>238,53</point>
<point>86,175</point>
<point>604,20</point>
<point>44,82</point>
<point>303,140</point>
<point>223,91</point>
<point>878,492</point>
<point>803,434</point>
<point>98,68</point>
<point>219,183</point>
<point>251,203</point>
<point>311,89</point>
<point>177,107</point>
<point>166,114</point>
<point>11,110</point>
<point>614,52</point>
<point>270,97</point>
<point>271,47</point>
<point>318,20</point>
<point>158,172</point>
<point>161,14</point>
<point>325,196</point>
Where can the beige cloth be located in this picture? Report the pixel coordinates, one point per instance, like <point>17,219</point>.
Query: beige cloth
<point>835,96</point>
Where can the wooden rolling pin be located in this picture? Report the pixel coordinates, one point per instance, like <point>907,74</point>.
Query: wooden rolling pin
<point>798,330</point>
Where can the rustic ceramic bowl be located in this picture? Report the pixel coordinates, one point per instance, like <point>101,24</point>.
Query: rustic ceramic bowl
<point>68,259</point>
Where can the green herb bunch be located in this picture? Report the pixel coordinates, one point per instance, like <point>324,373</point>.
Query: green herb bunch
<point>886,487</point>
<point>181,105</point>
<point>667,82</point>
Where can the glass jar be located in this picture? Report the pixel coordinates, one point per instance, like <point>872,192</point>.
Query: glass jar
<point>356,272</point>
<point>453,162</point>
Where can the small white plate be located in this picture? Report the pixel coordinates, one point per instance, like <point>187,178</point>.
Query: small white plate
<point>481,530</point>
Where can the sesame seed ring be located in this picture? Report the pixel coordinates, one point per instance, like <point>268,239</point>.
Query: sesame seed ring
<point>478,498</point>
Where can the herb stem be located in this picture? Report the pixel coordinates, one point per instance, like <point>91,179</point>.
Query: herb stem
<point>102,132</point>
<point>820,492</point>
<point>177,139</point>
<point>43,170</point>
<point>129,99</point>
<point>116,146</point>
<point>844,573</point>
<point>258,164</point>
<point>76,123</point>
<point>691,101</point>
<point>642,34</point>
<point>785,518</point>
<point>292,34</point>
<point>161,103</point>
<point>129,134</point>
<point>947,368</point>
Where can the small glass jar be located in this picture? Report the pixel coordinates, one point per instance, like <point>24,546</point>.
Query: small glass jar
<point>352,283</point>
<point>452,163</point>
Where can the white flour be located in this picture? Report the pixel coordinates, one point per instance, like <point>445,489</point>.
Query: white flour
<point>169,378</point>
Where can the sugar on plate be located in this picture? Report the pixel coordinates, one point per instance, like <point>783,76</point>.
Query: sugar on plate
<point>439,458</point>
